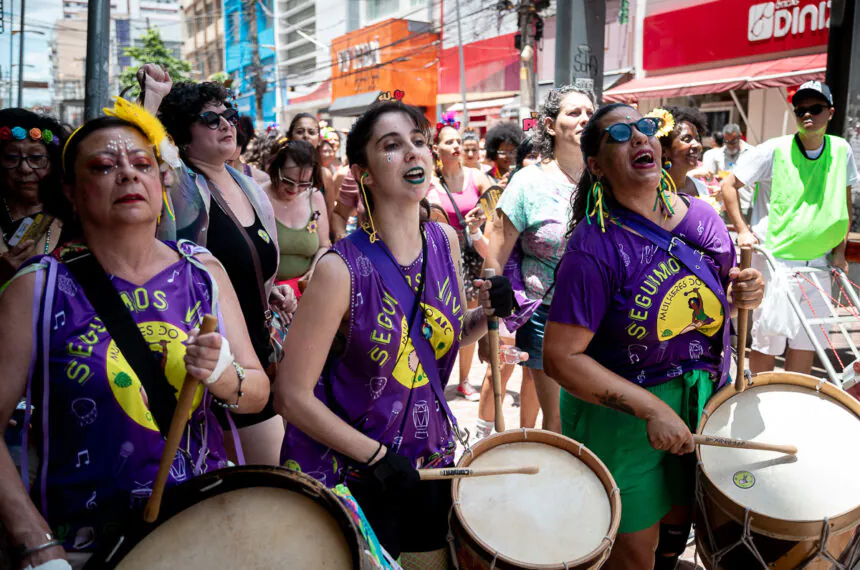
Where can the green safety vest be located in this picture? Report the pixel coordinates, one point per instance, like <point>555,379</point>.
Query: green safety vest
<point>808,208</point>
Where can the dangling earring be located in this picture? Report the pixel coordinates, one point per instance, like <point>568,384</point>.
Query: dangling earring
<point>665,191</point>
<point>595,193</point>
<point>367,227</point>
<point>165,205</point>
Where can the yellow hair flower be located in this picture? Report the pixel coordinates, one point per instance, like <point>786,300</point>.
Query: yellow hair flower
<point>668,121</point>
<point>151,127</point>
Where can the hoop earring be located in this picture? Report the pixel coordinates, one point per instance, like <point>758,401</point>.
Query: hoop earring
<point>367,226</point>
<point>595,193</point>
<point>665,191</point>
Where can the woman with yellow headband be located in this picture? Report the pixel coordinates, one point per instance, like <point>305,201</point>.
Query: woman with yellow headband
<point>229,214</point>
<point>638,337</point>
<point>99,412</point>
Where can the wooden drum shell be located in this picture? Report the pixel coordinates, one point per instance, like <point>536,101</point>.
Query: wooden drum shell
<point>783,543</point>
<point>475,554</point>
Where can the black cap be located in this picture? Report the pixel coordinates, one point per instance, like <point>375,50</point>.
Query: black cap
<point>818,88</point>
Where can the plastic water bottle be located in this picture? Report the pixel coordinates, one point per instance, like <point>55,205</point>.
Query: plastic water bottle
<point>511,354</point>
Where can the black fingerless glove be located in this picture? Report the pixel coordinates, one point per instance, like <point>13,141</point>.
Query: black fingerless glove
<point>502,296</point>
<point>394,473</point>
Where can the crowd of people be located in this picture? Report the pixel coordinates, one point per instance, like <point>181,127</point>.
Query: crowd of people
<point>345,270</point>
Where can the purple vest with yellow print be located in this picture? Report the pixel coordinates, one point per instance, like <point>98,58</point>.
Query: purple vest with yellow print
<point>376,383</point>
<point>98,444</point>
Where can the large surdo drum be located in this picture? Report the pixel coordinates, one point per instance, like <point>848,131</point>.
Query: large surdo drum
<point>243,517</point>
<point>763,509</point>
<point>566,516</point>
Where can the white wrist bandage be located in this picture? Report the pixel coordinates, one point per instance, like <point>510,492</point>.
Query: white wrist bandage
<point>56,564</point>
<point>225,358</point>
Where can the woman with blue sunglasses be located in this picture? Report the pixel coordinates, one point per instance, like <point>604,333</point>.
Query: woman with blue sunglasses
<point>636,335</point>
<point>229,214</point>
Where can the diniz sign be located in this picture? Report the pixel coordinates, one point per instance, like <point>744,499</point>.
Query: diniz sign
<point>786,17</point>
<point>358,56</point>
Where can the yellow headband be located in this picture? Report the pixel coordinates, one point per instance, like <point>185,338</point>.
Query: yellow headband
<point>149,125</point>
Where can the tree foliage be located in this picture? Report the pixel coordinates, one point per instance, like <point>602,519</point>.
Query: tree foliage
<point>153,50</point>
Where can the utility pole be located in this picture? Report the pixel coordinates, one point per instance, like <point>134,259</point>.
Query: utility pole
<point>526,11</point>
<point>98,49</point>
<point>579,44</point>
<point>11,46</point>
<point>256,63</point>
<point>21,56</point>
<point>462,65</point>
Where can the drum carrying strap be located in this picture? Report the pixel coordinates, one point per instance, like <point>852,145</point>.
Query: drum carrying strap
<point>383,261</point>
<point>693,259</point>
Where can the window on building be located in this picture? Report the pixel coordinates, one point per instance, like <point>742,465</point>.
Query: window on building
<point>377,9</point>
<point>189,25</point>
<point>207,11</point>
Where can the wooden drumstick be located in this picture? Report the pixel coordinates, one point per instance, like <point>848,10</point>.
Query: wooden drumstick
<point>493,335</point>
<point>177,425</point>
<point>457,472</point>
<point>743,319</point>
<point>742,444</point>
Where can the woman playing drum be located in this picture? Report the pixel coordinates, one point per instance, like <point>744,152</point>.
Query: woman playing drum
<point>637,337</point>
<point>374,341</point>
<point>98,444</point>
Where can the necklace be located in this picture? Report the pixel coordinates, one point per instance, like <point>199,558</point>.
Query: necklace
<point>48,241</point>
<point>8,211</point>
<point>573,180</point>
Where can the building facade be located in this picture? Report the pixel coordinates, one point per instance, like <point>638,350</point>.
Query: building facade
<point>129,21</point>
<point>203,36</point>
<point>239,43</point>
<point>735,60</point>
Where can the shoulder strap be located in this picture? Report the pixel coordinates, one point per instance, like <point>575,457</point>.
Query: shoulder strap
<point>459,214</point>
<point>394,281</point>
<point>692,258</point>
<point>255,258</point>
<point>124,331</point>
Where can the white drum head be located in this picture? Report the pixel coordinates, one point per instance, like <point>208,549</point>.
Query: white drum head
<point>258,527</point>
<point>820,481</point>
<point>560,514</point>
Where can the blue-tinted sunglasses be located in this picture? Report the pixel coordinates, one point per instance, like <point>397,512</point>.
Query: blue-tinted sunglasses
<point>621,132</point>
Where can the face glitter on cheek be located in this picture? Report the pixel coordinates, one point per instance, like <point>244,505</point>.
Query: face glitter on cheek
<point>388,156</point>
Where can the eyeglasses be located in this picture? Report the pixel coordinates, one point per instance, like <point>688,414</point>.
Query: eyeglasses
<point>621,132</point>
<point>732,141</point>
<point>503,153</point>
<point>212,120</point>
<point>812,110</point>
<point>291,182</point>
<point>35,161</point>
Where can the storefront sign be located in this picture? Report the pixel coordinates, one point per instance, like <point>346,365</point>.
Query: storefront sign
<point>395,56</point>
<point>729,31</point>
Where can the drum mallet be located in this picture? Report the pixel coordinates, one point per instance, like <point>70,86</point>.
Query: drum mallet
<point>717,441</point>
<point>184,405</point>
<point>457,472</point>
<point>743,319</point>
<point>493,336</point>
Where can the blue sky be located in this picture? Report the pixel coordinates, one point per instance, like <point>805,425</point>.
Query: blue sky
<point>40,16</point>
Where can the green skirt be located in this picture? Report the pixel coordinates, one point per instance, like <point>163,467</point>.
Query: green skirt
<point>650,481</point>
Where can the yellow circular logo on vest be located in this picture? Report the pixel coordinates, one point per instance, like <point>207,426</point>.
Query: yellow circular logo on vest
<point>165,340</point>
<point>689,305</point>
<point>264,235</point>
<point>407,368</point>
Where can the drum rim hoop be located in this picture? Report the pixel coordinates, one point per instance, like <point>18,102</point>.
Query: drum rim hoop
<point>554,440</point>
<point>759,522</point>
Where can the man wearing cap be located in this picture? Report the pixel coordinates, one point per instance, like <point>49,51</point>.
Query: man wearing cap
<point>802,212</point>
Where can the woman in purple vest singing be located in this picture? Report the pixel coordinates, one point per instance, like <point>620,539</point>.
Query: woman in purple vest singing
<point>373,343</point>
<point>93,420</point>
<point>638,331</point>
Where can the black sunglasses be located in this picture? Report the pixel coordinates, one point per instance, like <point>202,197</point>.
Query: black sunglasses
<point>212,119</point>
<point>812,110</point>
<point>621,132</point>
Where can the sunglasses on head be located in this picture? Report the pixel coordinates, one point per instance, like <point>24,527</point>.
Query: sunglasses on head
<point>212,120</point>
<point>621,132</point>
<point>811,109</point>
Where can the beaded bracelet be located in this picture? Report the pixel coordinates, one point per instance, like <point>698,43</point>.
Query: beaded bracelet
<point>240,374</point>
